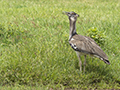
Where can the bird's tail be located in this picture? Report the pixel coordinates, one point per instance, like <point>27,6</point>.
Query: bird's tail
<point>106,61</point>
<point>103,59</point>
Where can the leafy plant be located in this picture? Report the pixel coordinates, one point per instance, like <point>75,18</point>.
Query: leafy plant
<point>98,36</point>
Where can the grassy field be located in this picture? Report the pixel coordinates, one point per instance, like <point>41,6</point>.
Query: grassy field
<point>34,49</point>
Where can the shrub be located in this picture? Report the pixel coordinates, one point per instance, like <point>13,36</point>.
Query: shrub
<point>98,36</point>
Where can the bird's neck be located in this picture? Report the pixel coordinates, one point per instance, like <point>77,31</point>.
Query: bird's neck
<point>72,29</point>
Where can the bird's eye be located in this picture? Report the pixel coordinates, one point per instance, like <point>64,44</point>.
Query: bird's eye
<point>72,13</point>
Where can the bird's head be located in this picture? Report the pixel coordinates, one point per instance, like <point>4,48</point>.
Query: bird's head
<point>72,15</point>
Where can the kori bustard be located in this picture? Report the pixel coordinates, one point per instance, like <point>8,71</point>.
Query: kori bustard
<point>83,45</point>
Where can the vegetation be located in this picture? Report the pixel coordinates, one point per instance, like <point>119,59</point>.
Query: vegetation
<point>98,36</point>
<point>34,49</point>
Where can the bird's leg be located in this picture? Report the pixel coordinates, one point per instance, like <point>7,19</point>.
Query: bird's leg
<point>84,63</point>
<point>80,63</point>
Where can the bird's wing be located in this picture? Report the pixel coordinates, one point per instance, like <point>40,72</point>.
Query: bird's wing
<point>87,45</point>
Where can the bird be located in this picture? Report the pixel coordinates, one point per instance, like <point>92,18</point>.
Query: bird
<point>83,45</point>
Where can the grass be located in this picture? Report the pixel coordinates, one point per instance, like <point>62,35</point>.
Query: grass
<point>34,49</point>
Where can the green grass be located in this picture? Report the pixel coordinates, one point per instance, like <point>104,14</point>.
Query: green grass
<point>34,48</point>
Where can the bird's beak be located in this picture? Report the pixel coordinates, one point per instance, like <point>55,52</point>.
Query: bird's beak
<point>64,12</point>
<point>77,15</point>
